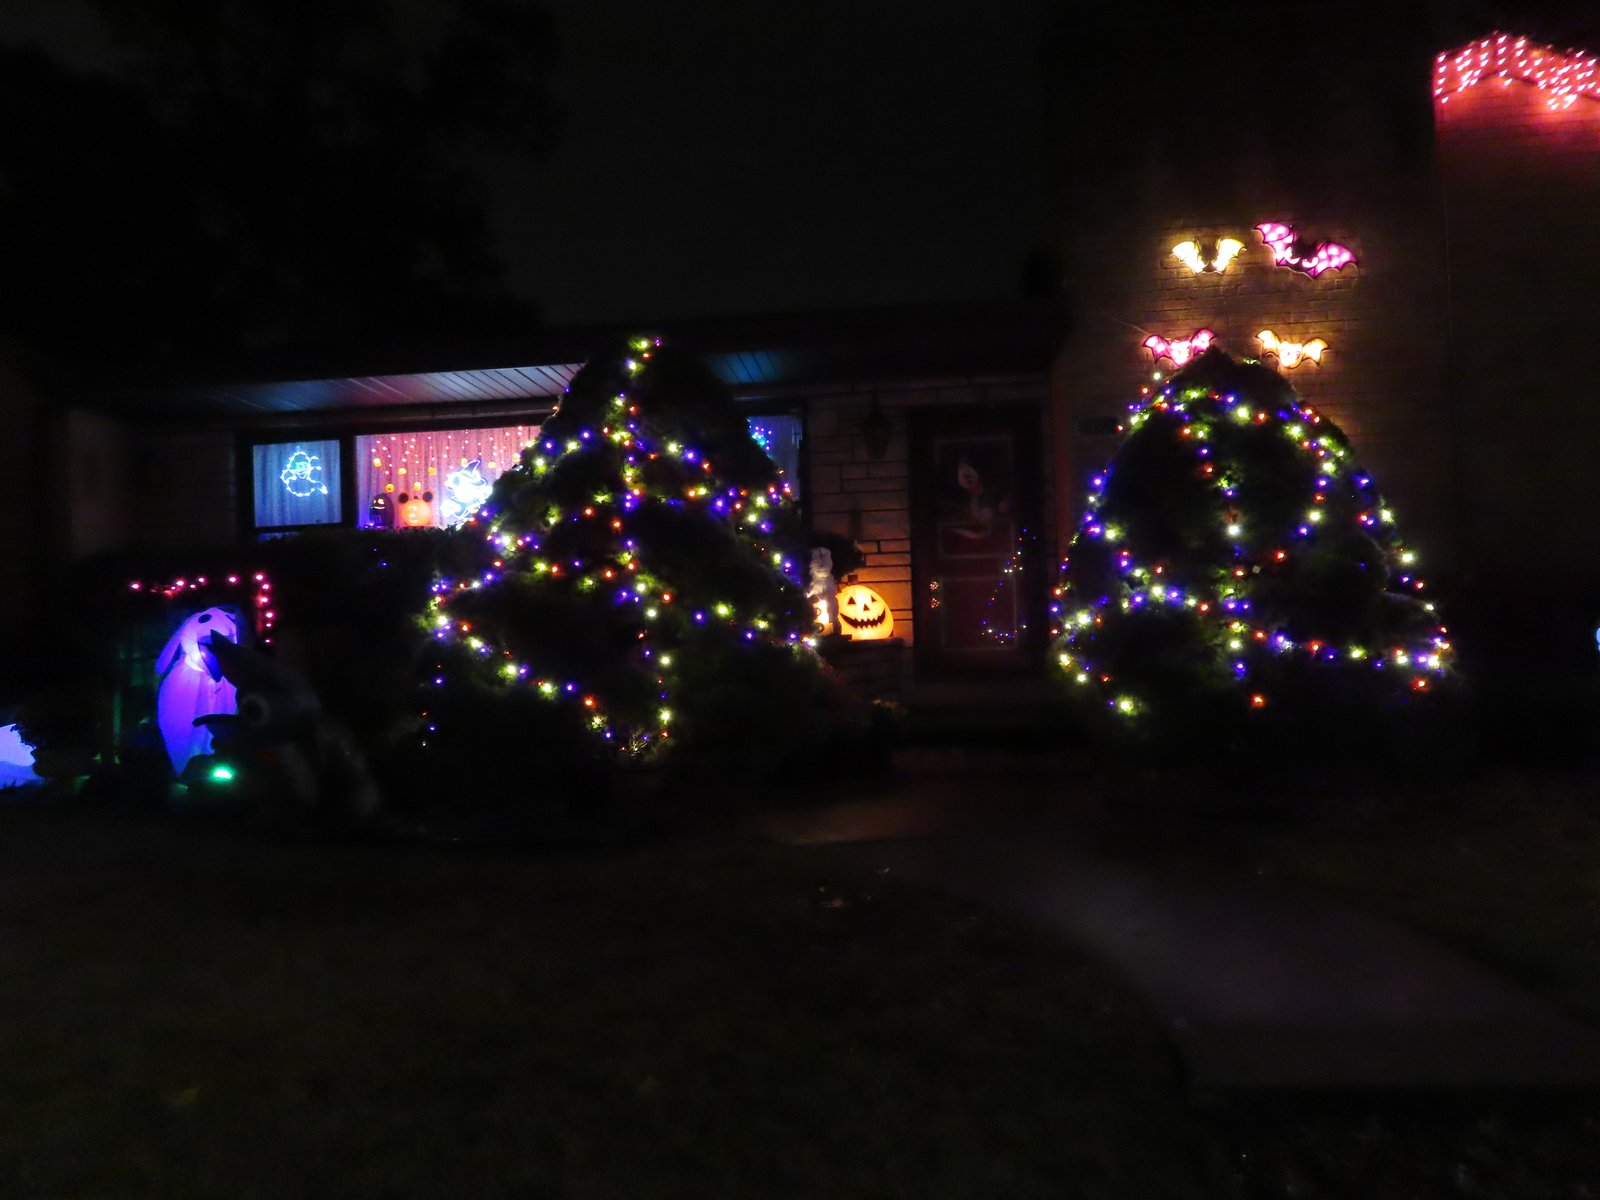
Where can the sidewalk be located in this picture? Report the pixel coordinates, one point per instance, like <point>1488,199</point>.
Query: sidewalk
<point>1260,985</point>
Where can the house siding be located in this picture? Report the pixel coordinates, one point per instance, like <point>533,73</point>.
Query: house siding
<point>1521,186</point>
<point>187,482</point>
<point>1381,378</point>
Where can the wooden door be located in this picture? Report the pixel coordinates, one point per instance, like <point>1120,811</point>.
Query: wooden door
<point>976,538</point>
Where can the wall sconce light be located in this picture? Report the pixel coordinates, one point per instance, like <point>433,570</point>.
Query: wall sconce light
<point>1224,252</point>
<point>1298,254</point>
<point>875,429</point>
<point>1180,350</point>
<point>1291,354</point>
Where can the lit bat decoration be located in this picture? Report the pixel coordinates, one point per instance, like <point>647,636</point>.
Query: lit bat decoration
<point>1227,249</point>
<point>1291,354</point>
<point>1180,350</point>
<point>1299,254</point>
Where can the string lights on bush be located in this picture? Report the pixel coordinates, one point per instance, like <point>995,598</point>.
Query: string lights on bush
<point>583,520</point>
<point>1233,549</point>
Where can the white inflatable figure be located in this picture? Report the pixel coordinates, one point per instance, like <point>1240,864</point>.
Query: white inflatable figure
<point>192,684</point>
<point>16,759</point>
<point>820,590</point>
<point>465,492</point>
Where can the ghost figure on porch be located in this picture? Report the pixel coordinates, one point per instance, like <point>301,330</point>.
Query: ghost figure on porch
<point>192,684</point>
<point>821,588</point>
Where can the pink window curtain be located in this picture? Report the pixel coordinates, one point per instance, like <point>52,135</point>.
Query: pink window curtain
<point>445,474</point>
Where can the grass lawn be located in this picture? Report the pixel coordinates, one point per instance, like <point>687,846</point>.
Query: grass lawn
<point>1506,869</point>
<point>197,1012</point>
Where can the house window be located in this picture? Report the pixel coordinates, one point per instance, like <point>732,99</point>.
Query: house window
<point>444,475</point>
<point>297,483</point>
<point>780,435</point>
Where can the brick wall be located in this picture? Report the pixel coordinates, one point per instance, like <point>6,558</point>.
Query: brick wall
<point>1381,378</point>
<point>869,500</point>
<point>1521,187</point>
<point>101,496</point>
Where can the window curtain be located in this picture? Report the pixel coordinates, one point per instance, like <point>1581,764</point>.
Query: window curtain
<point>297,483</point>
<point>445,475</point>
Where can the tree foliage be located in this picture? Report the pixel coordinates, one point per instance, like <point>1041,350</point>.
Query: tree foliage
<point>1237,569</point>
<point>635,599</point>
<point>249,176</point>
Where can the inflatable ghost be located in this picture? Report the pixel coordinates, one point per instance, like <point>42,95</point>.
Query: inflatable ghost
<point>192,684</point>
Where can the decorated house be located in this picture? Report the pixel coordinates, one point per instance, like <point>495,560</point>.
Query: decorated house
<point>1437,312</point>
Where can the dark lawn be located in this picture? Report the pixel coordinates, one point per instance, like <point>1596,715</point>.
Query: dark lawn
<point>199,1011</point>
<point>1506,869</point>
<point>193,1011</point>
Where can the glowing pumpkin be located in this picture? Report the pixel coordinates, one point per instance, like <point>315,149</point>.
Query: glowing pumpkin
<point>864,615</point>
<point>417,510</point>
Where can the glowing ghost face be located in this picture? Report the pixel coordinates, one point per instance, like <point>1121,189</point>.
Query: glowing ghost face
<point>188,644</point>
<point>301,475</point>
<point>465,492</point>
<point>863,615</point>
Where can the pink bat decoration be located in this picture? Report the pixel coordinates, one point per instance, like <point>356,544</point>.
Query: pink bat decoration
<point>1180,350</point>
<point>1300,255</point>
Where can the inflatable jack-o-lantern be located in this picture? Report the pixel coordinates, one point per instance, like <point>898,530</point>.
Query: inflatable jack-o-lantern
<point>863,614</point>
<point>416,511</point>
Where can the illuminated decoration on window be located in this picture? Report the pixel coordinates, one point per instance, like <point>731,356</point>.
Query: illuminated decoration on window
<point>1227,592</point>
<point>864,615</point>
<point>380,513</point>
<point>1181,350</point>
<point>302,475</point>
<point>991,622</point>
<point>1291,354</point>
<point>1565,75</point>
<point>416,512</point>
<point>1296,253</point>
<point>779,434</point>
<point>296,483</point>
<point>388,464</point>
<point>1226,250</point>
<point>465,492</point>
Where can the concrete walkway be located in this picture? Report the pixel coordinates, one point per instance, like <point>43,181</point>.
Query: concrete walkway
<point>1260,985</point>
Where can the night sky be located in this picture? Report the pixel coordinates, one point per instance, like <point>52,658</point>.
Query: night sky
<point>722,159</point>
<point>782,158</point>
<point>719,158</point>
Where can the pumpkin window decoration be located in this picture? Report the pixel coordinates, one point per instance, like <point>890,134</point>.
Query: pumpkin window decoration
<point>416,511</point>
<point>864,615</point>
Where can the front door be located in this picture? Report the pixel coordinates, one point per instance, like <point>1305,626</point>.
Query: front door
<point>976,540</point>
